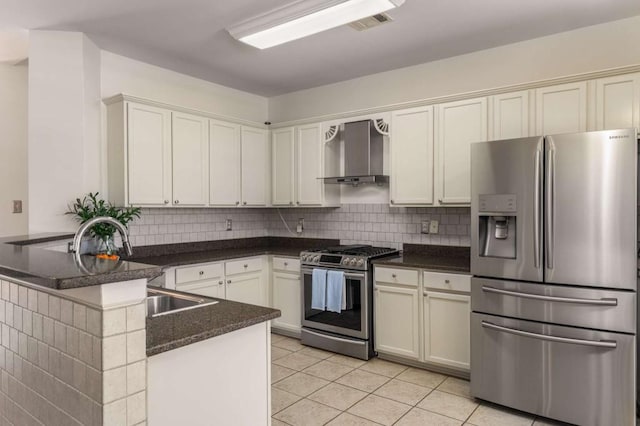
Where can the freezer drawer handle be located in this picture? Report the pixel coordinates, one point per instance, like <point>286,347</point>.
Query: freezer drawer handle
<point>600,302</point>
<point>596,343</point>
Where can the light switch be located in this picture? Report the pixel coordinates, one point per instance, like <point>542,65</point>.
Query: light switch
<point>17,206</point>
<point>229,224</point>
<point>424,228</point>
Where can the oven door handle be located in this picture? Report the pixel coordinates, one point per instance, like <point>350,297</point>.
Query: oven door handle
<point>358,276</point>
<point>339,339</point>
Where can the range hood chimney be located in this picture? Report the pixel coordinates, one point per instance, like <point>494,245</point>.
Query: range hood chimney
<point>363,154</point>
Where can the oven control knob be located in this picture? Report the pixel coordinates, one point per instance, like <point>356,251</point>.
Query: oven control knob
<point>316,259</point>
<point>352,262</point>
<point>345,261</point>
<point>303,257</point>
<point>360,262</point>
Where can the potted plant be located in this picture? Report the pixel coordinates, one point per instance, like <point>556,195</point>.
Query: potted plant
<point>91,206</point>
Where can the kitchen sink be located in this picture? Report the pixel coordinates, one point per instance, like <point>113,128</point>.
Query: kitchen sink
<point>162,302</point>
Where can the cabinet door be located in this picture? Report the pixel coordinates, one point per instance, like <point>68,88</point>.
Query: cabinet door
<point>212,288</point>
<point>510,115</point>
<point>561,109</point>
<point>288,298</point>
<point>618,102</point>
<point>396,318</point>
<point>255,160</point>
<point>411,146</point>
<point>459,125</point>
<point>283,169</point>
<point>149,155</point>
<point>310,165</point>
<point>224,164</point>
<point>246,288</point>
<point>190,147</point>
<point>446,329</point>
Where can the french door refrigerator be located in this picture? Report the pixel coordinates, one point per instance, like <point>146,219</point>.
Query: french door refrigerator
<point>554,259</point>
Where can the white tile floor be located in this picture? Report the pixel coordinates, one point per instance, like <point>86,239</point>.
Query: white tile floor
<point>313,387</point>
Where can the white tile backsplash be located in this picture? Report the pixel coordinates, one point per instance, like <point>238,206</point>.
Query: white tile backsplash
<point>376,224</point>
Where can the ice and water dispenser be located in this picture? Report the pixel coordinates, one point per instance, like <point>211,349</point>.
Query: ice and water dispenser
<point>498,224</point>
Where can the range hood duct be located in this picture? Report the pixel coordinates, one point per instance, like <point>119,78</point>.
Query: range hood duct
<point>363,154</point>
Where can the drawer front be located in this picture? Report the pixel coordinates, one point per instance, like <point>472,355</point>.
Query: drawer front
<point>286,264</point>
<point>575,306</point>
<point>575,379</point>
<point>243,265</point>
<point>408,277</point>
<point>452,282</point>
<point>215,288</point>
<point>205,271</point>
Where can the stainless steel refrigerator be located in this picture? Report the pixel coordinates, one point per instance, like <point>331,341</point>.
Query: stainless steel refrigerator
<point>554,259</point>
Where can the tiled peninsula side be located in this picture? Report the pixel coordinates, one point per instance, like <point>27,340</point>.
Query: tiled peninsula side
<point>71,357</point>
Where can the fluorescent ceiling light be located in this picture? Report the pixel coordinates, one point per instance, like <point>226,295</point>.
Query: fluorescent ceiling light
<point>305,17</point>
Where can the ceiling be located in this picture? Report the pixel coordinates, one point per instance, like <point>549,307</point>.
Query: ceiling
<point>189,36</point>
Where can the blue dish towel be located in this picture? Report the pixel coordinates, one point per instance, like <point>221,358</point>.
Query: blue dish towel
<point>319,289</point>
<point>335,290</point>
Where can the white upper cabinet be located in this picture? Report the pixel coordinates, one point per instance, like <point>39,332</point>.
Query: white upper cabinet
<point>510,115</point>
<point>460,124</point>
<point>561,109</point>
<point>190,143</point>
<point>283,167</point>
<point>298,163</point>
<point>224,164</point>
<point>310,161</point>
<point>255,166</point>
<point>411,147</point>
<point>618,102</point>
<point>149,155</point>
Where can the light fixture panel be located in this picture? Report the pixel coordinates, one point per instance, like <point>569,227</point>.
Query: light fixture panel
<point>305,17</point>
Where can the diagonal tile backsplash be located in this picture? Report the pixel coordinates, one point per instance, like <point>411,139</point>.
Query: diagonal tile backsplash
<point>376,224</point>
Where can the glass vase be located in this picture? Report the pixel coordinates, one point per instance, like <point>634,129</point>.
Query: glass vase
<point>106,245</point>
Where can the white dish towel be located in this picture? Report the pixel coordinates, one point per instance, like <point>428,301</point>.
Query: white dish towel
<point>319,289</point>
<point>336,291</point>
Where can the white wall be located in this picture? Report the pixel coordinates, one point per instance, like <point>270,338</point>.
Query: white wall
<point>13,149</point>
<point>64,126</point>
<point>125,75</point>
<point>599,47</point>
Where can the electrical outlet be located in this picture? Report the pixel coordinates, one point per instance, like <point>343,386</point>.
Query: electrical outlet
<point>433,227</point>
<point>300,226</point>
<point>424,229</point>
<point>229,224</point>
<point>17,206</point>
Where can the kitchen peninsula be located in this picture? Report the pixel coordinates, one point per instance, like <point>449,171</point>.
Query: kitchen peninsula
<point>75,344</point>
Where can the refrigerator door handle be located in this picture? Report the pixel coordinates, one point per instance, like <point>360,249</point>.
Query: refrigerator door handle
<point>597,343</point>
<point>599,302</point>
<point>551,196</point>
<point>536,211</point>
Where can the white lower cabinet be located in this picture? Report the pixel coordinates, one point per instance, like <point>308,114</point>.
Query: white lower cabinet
<point>240,280</point>
<point>423,316</point>
<point>396,314</point>
<point>286,293</point>
<point>446,328</point>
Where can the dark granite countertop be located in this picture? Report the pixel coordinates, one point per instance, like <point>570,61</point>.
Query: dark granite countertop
<point>431,257</point>
<point>211,251</point>
<point>57,270</point>
<point>172,331</point>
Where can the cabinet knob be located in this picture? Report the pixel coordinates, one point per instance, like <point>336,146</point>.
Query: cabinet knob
<point>237,203</point>
<point>177,201</point>
<point>166,201</point>
<point>201,272</point>
<point>245,265</point>
<point>220,282</point>
<point>244,203</point>
<point>290,203</point>
<point>447,281</point>
<point>286,264</point>
<point>298,202</point>
<point>392,202</point>
<point>393,276</point>
<point>228,281</point>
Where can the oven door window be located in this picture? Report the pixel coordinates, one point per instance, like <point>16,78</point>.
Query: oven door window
<point>351,318</point>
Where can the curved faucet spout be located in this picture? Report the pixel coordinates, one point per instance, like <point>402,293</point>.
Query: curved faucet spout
<point>77,239</point>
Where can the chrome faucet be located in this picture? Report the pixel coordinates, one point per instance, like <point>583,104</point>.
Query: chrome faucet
<point>77,239</point>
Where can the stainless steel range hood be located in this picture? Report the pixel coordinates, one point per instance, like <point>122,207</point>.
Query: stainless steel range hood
<point>363,154</point>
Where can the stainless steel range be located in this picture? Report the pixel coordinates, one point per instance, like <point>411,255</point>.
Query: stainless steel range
<point>349,332</point>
